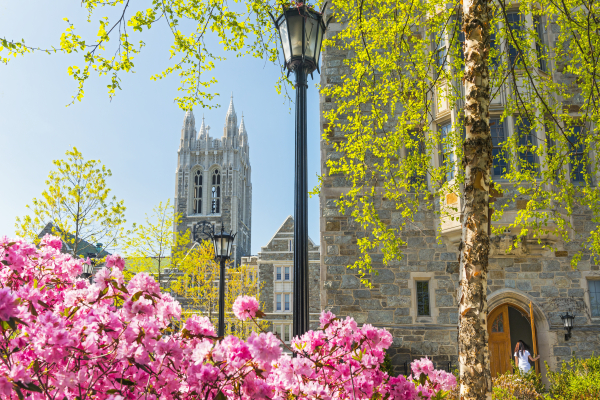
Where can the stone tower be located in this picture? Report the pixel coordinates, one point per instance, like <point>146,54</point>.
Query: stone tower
<point>213,181</point>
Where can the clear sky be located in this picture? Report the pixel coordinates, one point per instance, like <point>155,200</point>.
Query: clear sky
<point>136,134</point>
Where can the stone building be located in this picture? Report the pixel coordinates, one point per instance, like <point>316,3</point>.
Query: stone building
<point>213,184</point>
<point>274,264</point>
<point>415,298</point>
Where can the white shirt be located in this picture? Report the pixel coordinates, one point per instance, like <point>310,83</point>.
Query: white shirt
<point>523,357</point>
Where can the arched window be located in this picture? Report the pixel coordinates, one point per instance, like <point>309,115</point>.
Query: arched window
<point>197,203</point>
<point>216,192</point>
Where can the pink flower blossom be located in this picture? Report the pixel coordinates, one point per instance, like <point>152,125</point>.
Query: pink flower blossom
<point>5,387</point>
<point>264,347</point>
<point>115,261</point>
<point>199,326</point>
<point>8,304</point>
<point>422,366</point>
<point>326,317</point>
<point>139,348</point>
<point>245,307</point>
<point>53,241</point>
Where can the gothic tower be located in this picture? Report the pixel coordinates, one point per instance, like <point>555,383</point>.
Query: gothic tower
<point>213,181</point>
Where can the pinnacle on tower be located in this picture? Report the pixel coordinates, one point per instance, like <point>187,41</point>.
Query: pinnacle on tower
<point>242,126</point>
<point>202,130</point>
<point>231,109</point>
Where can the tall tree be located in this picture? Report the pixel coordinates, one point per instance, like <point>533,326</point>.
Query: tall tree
<point>78,207</point>
<point>148,246</point>
<point>473,353</point>
<point>196,283</point>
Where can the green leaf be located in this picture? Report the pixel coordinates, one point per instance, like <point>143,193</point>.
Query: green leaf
<point>124,381</point>
<point>220,396</point>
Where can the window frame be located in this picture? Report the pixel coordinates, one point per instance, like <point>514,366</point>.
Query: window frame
<point>279,300</point>
<point>447,150</point>
<point>428,298</point>
<point>596,291</point>
<point>197,189</point>
<point>499,147</point>
<point>518,126</point>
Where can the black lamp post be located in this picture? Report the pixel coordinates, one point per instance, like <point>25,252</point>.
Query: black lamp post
<point>301,31</point>
<point>222,243</point>
<point>568,324</point>
<point>88,269</point>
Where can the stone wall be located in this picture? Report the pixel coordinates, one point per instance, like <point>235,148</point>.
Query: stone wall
<point>277,253</point>
<point>527,275</point>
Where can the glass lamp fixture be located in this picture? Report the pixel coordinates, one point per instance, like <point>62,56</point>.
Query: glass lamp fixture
<point>301,31</point>
<point>567,320</point>
<point>222,243</point>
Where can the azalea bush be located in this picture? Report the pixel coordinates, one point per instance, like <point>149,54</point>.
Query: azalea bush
<point>63,337</point>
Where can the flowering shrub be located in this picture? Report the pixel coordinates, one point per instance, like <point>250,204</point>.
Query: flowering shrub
<point>64,338</point>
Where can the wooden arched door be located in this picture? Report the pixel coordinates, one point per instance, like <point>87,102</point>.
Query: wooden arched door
<point>499,342</point>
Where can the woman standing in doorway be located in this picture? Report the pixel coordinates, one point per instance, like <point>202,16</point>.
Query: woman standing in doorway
<point>522,356</point>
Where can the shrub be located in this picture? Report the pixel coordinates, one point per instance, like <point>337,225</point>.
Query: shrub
<point>64,338</point>
<point>577,379</point>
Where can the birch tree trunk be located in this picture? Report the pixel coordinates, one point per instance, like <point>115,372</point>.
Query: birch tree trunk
<point>474,247</point>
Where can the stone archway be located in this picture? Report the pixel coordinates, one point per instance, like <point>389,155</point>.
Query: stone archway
<point>519,300</point>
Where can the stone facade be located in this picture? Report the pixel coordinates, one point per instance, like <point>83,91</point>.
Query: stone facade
<point>527,275</point>
<point>213,183</point>
<point>275,273</point>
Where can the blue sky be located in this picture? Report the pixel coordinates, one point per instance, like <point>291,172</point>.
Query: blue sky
<point>136,134</point>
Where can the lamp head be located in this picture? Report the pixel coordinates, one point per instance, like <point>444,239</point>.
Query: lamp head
<point>568,324</point>
<point>301,31</point>
<point>222,243</point>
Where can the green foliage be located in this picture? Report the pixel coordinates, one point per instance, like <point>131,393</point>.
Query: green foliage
<point>77,203</point>
<point>517,386</point>
<point>387,366</point>
<point>148,246</point>
<point>388,151</point>
<point>240,27</point>
<point>577,379</point>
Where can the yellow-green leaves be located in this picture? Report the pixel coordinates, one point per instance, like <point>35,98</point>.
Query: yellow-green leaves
<point>78,207</point>
<point>243,28</point>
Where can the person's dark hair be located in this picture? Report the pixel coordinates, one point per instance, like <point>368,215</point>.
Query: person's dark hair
<point>521,347</point>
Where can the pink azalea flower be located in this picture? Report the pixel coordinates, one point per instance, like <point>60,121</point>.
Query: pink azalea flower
<point>200,326</point>
<point>52,241</point>
<point>422,366</point>
<point>264,347</point>
<point>8,306</point>
<point>245,307</point>
<point>115,261</point>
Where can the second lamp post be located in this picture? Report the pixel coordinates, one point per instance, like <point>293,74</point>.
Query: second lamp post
<point>301,31</point>
<point>222,242</point>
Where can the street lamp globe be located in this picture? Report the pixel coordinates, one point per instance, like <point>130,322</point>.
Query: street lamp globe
<point>301,30</point>
<point>568,324</point>
<point>222,243</point>
<point>88,268</point>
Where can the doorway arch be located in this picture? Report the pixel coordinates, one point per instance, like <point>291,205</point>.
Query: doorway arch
<point>506,325</point>
<point>520,301</point>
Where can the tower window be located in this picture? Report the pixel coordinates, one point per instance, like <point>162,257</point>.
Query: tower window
<point>423,298</point>
<point>447,150</point>
<point>594,297</point>
<point>198,192</point>
<point>216,192</point>
<point>527,143</point>
<point>515,24</point>
<point>576,155</point>
<point>500,166</point>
